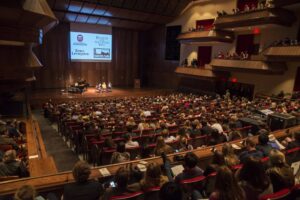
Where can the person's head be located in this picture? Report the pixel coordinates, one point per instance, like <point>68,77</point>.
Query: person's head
<point>250,143</point>
<point>227,186</point>
<point>153,171</point>
<point>297,136</point>
<point>227,149</point>
<point>218,158</point>
<point>263,138</point>
<point>9,155</point>
<point>253,172</point>
<point>277,158</point>
<point>190,160</point>
<point>121,147</point>
<point>195,123</point>
<point>122,177</point>
<point>204,123</point>
<point>26,192</point>
<point>170,190</point>
<point>109,143</point>
<point>160,142</point>
<point>81,171</point>
<point>127,137</point>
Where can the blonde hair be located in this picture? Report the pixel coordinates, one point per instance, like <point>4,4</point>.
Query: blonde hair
<point>277,157</point>
<point>26,192</point>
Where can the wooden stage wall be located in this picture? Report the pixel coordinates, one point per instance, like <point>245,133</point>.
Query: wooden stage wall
<point>59,71</point>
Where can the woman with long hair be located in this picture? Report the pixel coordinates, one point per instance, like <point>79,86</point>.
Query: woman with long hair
<point>226,186</point>
<point>162,147</point>
<point>253,179</point>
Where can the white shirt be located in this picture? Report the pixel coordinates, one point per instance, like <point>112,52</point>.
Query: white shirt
<point>218,127</point>
<point>131,144</point>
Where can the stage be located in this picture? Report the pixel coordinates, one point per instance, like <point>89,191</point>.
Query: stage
<point>57,95</point>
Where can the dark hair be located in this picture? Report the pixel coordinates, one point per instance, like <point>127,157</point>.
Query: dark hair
<point>263,138</point>
<point>218,158</point>
<point>227,186</point>
<point>204,123</point>
<point>122,177</point>
<point>190,160</point>
<point>170,190</point>
<point>127,137</point>
<point>121,147</point>
<point>253,172</point>
<point>297,135</point>
<point>81,171</point>
<point>250,142</point>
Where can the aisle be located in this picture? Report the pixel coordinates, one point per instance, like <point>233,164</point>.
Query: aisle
<point>64,158</point>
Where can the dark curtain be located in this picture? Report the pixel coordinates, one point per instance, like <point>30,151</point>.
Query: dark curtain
<point>204,55</point>
<point>245,43</point>
<point>297,81</point>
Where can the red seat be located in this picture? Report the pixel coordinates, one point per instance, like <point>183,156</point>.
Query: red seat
<point>132,196</point>
<point>192,184</point>
<point>5,147</point>
<point>296,192</point>
<point>284,194</point>
<point>292,155</point>
<point>152,193</point>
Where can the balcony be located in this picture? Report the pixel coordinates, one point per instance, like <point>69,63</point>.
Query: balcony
<point>197,72</point>
<point>279,3</point>
<point>248,66</point>
<point>209,37</point>
<point>275,16</point>
<point>283,53</point>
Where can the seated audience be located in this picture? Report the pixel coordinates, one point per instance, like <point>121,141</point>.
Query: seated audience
<point>27,192</point>
<point>296,142</point>
<point>280,173</point>
<point>191,169</point>
<point>263,143</point>
<point>171,190</point>
<point>253,179</point>
<point>153,178</point>
<point>83,188</point>
<point>162,147</point>
<point>217,161</point>
<point>129,143</point>
<point>250,151</point>
<point>167,138</point>
<point>226,186</point>
<point>120,155</point>
<point>121,185</point>
<point>10,166</point>
<point>231,159</point>
<point>184,145</point>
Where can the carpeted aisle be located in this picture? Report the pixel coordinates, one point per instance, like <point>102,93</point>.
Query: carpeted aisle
<point>63,156</point>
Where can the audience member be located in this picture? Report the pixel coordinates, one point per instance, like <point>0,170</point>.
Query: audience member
<point>231,159</point>
<point>226,186</point>
<point>120,185</point>
<point>10,166</point>
<point>120,155</point>
<point>263,143</point>
<point>171,190</point>
<point>217,161</point>
<point>191,169</point>
<point>280,173</point>
<point>83,188</point>
<point>129,143</point>
<point>27,192</point>
<point>253,179</point>
<point>162,147</point>
<point>250,151</point>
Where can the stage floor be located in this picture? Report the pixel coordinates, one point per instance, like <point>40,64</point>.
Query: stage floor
<point>57,95</point>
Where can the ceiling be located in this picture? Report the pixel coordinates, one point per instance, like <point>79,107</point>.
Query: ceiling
<point>134,14</point>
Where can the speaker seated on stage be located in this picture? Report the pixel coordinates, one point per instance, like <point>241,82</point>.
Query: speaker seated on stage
<point>109,87</point>
<point>104,87</point>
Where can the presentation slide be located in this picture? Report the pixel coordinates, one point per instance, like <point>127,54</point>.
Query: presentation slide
<point>90,47</point>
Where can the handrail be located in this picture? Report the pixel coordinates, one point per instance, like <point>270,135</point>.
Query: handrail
<point>46,183</point>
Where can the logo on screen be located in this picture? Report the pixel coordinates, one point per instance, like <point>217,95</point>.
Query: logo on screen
<point>79,38</point>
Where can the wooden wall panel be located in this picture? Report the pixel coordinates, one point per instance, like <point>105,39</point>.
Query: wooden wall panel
<point>156,71</point>
<point>59,71</point>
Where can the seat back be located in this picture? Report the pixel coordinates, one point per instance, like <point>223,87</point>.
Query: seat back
<point>129,196</point>
<point>106,155</point>
<point>5,147</point>
<point>284,194</point>
<point>292,155</point>
<point>210,183</point>
<point>192,184</point>
<point>152,193</point>
<point>296,192</point>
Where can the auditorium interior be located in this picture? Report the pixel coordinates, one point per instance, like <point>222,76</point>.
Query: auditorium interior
<point>150,99</point>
